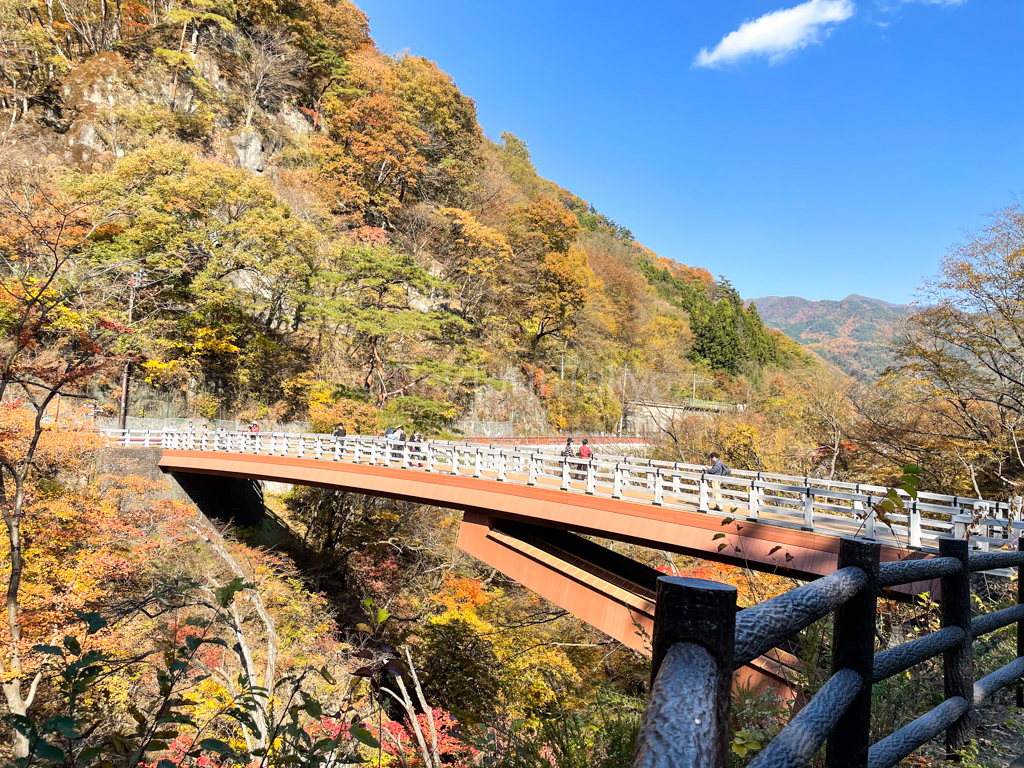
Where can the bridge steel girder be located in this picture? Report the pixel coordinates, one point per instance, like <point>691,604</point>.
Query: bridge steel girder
<point>596,591</point>
<point>796,553</point>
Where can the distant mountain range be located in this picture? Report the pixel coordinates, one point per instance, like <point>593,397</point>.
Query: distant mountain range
<point>853,333</point>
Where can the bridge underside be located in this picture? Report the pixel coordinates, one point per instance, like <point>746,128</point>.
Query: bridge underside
<point>529,534</point>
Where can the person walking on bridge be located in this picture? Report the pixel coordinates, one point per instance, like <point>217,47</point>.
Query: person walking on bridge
<point>718,468</point>
<point>570,453</point>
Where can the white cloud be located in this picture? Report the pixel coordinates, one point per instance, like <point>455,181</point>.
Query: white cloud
<point>891,6</point>
<point>777,34</point>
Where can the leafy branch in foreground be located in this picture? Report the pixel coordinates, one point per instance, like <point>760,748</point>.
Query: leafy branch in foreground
<point>895,499</point>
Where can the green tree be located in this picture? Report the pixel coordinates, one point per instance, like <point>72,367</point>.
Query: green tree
<point>388,308</point>
<point>715,339</point>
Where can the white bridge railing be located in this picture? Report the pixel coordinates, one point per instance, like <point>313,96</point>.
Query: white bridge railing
<point>803,503</point>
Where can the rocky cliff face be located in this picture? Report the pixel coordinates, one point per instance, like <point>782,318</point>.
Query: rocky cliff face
<point>105,105</point>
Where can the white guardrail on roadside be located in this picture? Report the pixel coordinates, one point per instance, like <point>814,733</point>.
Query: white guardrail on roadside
<point>804,503</point>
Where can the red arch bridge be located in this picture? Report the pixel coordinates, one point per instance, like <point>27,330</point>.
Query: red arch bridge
<point>526,510</point>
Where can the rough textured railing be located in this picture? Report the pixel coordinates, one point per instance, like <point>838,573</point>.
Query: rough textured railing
<point>699,640</point>
<point>823,506</point>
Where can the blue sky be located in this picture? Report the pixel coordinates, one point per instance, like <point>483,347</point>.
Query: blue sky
<point>833,148</point>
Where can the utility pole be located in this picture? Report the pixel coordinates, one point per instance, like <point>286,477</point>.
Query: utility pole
<point>122,412</point>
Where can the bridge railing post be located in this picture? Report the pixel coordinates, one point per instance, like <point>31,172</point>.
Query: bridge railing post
<point>915,524</point>
<point>617,481</point>
<point>703,493</point>
<point>591,479</point>
<point>853,647</point>
<point>405,455</point>
<point>533,461</point>
<point>808,506</point>
<point>659,488</point>
<point>147,438</point>
<point>686,721</point>
<point>754,500</point>
<point>565,473</point>
<point>477,466</point>
<point>339,446</point>
<point>501,466</point>
<point>958,661</point>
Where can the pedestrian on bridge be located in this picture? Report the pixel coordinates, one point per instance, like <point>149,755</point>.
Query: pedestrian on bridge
<point>718,468</point>
<point>570,453</point>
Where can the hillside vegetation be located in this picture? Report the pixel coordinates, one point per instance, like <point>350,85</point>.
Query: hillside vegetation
<point>855,333</point>
<point>304,221</point>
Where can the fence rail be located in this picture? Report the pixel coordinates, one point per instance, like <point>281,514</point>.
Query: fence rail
<point>695,649</point>
<point>804,503</point>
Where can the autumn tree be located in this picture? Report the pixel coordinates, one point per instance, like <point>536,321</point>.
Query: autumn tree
<point>268,67</point>
<point>961,357</point>
<point>56,336</point>
<point>448,120</point>
<point>226,265</point>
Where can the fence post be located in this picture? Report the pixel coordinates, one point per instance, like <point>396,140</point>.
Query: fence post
<point>701,613</point>
<point>957,662</point>
<point>1020,624</point>
<point>853,647</point>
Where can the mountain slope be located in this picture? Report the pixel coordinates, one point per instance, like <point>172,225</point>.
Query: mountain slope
<point>853,333</point>
<point>318,227</point>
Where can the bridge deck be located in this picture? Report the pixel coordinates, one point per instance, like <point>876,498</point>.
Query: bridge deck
<point>761,545</point>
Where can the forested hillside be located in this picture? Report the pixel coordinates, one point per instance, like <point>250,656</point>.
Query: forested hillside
<point>299,221</point>
<point>855,333</point>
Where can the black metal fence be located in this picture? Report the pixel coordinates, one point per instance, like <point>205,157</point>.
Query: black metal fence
<point>700,639</point>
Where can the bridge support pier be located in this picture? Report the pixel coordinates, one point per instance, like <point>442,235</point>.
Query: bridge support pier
<point>238,499</point>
